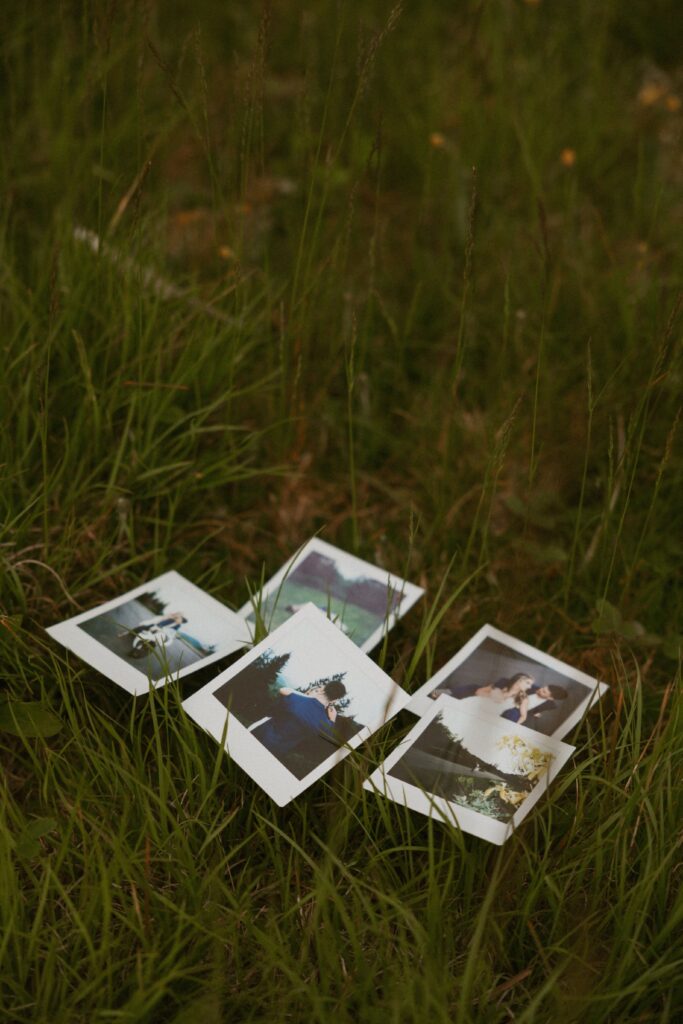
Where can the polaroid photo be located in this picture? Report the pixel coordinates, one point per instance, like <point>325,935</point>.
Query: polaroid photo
<point>480,774</point>
<point>500,676</point>
<point>363,600</point>
<point>296,704</point>
<point>162,630</point>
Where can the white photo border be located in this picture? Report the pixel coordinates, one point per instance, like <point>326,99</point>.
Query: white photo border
<point>467,820</point>
<point>420,702</point>
<point>410,592</point>
<point>248,752</point>
<point>135,680</point>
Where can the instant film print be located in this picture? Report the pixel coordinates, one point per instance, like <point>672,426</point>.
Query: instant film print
<point>164,629</point>
<point>363,600</point>
<point>476,772</point>
<point>499,675</point>
<point>296,704</point>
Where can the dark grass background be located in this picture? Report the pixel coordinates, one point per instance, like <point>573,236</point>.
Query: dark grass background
<point>408,276</point>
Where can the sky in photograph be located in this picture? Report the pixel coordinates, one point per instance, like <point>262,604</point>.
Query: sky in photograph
<point>313,656</point>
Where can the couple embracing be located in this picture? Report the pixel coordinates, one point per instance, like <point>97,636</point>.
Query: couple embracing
<point>299,718</point>
<point>523,700</point>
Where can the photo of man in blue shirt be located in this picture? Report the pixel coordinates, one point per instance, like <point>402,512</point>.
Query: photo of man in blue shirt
<point>300,717</point>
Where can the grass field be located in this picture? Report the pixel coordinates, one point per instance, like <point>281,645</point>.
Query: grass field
<point>408,276</point>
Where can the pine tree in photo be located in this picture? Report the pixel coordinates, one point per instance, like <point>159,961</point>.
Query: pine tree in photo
<point>250,694</point>
<point>150,599</point>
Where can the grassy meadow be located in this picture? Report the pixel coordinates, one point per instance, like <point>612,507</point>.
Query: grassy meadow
<point>409,276</point>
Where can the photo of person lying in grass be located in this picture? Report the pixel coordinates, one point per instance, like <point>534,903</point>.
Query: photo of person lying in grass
<point>164,628</point>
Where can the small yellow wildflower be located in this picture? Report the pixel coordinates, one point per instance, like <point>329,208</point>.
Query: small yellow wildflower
<point>650,93</point>
<point>437,140</point>
<point>568,157</point>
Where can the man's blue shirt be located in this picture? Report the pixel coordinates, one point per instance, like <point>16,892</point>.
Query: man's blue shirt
<point>297,719</point>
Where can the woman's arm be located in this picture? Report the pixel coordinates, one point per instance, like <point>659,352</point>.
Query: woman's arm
<point>331,713</point>
<point>523,711</point>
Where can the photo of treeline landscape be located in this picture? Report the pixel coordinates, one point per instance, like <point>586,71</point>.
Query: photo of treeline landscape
<point>358,604</point>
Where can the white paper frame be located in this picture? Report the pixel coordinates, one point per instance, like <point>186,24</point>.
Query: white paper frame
<point>420,702</point>
<point>135,680</point>
<point>246,750</point>
<point>410,591</point>
<point>467,820</point>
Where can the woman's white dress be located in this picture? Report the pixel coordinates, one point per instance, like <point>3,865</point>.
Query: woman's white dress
<point>487,705</point>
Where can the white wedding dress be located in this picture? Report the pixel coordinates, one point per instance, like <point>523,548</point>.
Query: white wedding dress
<point>486,705</point>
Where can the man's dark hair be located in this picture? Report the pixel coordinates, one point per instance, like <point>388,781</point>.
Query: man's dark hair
<point>335,690</point>
<point>558,692</point>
